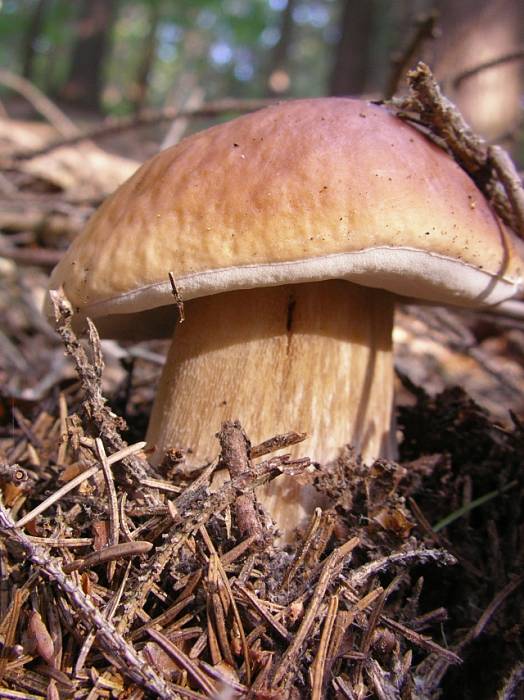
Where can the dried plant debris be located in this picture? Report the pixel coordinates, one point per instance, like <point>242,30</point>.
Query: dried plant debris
<point>490,166</point>
<point>121,581</point>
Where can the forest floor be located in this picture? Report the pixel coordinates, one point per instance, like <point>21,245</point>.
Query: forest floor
<point>135,582</point>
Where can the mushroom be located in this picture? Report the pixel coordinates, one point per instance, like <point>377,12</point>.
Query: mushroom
<point>289,232</point>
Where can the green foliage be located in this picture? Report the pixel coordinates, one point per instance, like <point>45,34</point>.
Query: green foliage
<point>52,46</point>
<point>221,47</point>
<point>14,17</point>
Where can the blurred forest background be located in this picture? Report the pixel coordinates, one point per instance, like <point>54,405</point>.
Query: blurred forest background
<point>99,57</point>
<point>121,72</point>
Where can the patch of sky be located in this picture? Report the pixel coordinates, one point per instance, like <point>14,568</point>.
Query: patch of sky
<point>167,52</point>
<point>314,14</point>
<point>206,19</point>
<point>269,37</point>
<point>237,8</point>
<point>8,6</point>
<point>41,44</point>
<point>244,71</point>
<point>277,5</point>
<point>220,53</point>
<point>168,35</point>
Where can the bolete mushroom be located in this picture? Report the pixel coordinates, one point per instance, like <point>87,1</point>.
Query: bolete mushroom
<point>289,232</point>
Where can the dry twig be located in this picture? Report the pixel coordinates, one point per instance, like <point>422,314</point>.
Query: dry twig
<point>425,29</point>
<point>492,608</point>
<point>190,511</point>
<point>148,118</point>
<point>317,670</point>
<point>283,674</point>
<point>511,684</point>
<point>126,658</point>
<point>114,522</point>
<point>509,57</point>
<point>109,554</point>
<point>40,102</point>
<point>235,457</point>
<point>178,299</point>
<point>499,181</point>
<point>357,578</point>
<point>278,442</point>
<point>183,661</point>
<point>90,373</point>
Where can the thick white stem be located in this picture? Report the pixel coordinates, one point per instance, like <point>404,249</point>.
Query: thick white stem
<point>308,357</point>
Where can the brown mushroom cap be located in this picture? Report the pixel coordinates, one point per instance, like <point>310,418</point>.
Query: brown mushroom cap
<point>307,190</point>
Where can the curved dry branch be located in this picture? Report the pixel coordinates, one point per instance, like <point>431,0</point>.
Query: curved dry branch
<point>40,102</point>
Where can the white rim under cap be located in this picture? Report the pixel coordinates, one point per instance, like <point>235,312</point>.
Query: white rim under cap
<point>407,272</point>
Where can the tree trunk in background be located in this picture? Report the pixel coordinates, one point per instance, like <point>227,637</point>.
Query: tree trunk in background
<point>147,58</point>
<point>473,32</point>
<point>93,32</point>
<point>34,30</point>
<point>278,73</point>
<point>352,55</point>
